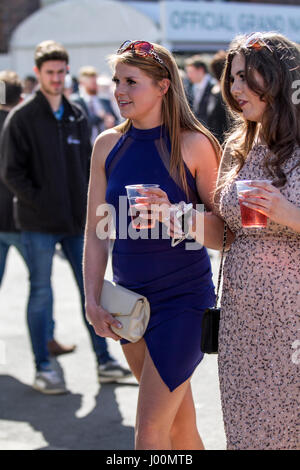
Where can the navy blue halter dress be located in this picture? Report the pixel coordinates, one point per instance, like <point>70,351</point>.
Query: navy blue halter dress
<point>176,280</point>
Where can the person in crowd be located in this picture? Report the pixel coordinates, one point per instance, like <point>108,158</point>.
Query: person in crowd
<point>45,152</point>
<point>99,112</point>
<point>106,96</point>
<point>75,84</point>
<point>218,120</point>
<point>259,325</point>
<point>10,235</point>
<point>68,86</point>
<point>30,84</point>
<point>159,142</point>
<point>199,86</point>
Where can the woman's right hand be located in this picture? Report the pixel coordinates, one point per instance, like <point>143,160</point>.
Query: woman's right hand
<point>101,320</point>
<point>161,209</point>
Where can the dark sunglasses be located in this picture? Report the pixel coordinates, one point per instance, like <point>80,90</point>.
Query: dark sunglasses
<point>256,41</point>
<point>141,48</point>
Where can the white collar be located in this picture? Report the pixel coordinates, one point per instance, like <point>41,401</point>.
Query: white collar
<point>202,85</point>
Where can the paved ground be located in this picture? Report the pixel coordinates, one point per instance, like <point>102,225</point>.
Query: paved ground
<point>90,417</point>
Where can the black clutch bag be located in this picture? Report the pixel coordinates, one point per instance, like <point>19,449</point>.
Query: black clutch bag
<point>211,316</point>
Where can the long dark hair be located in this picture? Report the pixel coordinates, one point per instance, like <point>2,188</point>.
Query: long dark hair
<point>277,60</point>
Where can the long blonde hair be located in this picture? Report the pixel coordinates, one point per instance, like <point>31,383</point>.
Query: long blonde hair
<point>176,113</point>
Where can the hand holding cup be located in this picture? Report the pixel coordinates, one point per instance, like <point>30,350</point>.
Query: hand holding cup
<point>262,196</point>
<point>141,214</point>
<point>161,209</point>
<point>251,209</point>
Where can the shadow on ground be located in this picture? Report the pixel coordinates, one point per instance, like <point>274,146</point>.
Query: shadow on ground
<point>55,417</point>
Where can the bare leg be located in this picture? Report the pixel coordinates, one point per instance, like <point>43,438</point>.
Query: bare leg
<point>135,355</point>
<point>184,432</point>
<point>165,419</point>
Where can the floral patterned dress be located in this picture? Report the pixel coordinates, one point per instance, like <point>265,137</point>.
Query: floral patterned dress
<point>260,322</point>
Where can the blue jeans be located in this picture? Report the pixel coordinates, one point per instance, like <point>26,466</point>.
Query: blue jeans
<point>39,250</point>
<point>8,239</point>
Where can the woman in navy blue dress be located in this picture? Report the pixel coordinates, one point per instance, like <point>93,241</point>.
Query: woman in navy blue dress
<point>159,142</point>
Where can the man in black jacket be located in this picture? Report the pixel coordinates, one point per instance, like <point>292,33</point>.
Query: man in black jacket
<point>9,234</point>
<point>218,120</point>
<point>45,152</point>
<point>199,87</point>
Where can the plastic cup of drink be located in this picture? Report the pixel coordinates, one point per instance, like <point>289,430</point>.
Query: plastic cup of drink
<point>136,209</point>
<point>250,217</point>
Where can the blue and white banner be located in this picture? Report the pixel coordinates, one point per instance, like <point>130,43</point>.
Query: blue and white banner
<point>220,22</point>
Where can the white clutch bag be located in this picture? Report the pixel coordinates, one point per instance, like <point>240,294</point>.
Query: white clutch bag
<point>130,308</point>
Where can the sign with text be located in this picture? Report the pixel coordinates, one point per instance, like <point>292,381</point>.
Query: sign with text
<point>220,22</point>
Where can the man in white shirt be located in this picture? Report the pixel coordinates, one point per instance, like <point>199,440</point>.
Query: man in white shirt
<point>199,88</point>
<point>100,118</point>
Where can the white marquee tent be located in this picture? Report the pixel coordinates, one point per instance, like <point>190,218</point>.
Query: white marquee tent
<point>89,29</point>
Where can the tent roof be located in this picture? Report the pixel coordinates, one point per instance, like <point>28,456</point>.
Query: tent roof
<point>84,22</point>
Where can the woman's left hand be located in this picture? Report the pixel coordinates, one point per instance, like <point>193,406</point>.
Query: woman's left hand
<point>267,199</point>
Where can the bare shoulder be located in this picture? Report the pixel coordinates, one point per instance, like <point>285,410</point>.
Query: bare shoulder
<point>197,149</point>
<point>195,139</point>
<point>103,145</point>
<point>226,159</point>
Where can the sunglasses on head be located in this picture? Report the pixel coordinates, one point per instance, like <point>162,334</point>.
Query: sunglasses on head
<point>140,48</point>
<point>256,41</point>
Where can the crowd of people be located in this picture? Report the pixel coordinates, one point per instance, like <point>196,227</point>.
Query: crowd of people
<point>45,155</point>
<point>93,92</point>
<point>194,133</point>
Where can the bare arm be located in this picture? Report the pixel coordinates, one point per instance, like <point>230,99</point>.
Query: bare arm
<point>208,228</point>
<point>95,249</point>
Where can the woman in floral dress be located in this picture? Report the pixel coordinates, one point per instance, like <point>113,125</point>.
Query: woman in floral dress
<point>259,335</point>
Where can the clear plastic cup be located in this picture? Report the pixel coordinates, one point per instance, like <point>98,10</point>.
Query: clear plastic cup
<point>250,217</point>
<point>136,209</point>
